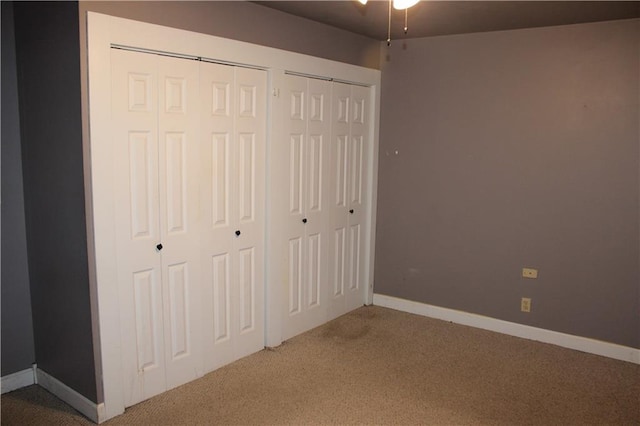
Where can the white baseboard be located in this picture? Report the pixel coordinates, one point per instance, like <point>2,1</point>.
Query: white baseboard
<point>583,344</point>
<point>89,408</point>
<point>18,380</point>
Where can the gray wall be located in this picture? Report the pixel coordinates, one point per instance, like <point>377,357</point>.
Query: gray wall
<point>48,58</point>
<point>17,328</point>
<point>245,21</point>
<point>515,148</point>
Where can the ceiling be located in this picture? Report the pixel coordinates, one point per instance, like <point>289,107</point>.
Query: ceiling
<point>432,18</point>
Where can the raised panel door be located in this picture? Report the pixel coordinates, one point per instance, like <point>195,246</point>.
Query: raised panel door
<point>350,143</point>
<point>233,127</point>
<point>306,120</point>
<point>339,197</point>
<point>179,156</point>
<point>155,113</point>
<point>295,114</point>
<point>358,197</point>
<point>220,211</point>
<point>317,228</point>
<point>135,140</point>
<point>250,131</point>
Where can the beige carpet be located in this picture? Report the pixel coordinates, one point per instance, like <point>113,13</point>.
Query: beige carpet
<point>379,366</point>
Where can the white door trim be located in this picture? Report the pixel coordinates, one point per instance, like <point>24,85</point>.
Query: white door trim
<point>104,31</point>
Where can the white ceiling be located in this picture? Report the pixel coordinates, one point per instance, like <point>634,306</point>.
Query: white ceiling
<point>432,17</point>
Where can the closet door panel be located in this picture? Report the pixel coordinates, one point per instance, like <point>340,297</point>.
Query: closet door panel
<point>358,197</point>
<point>340,169</point>
<point>137,226</point>
<point>315,279</point>
<point>295,146</point>
<point>217,202</point>
<point>338,264</point>
<point>250,163</point>
<point>220,150</point>
<point>349,170</point>
<point>317,228</point>
<point>178,283</point>
<point>221,281</point>
<point>306,115</point>
<point>247,290</point>
<point>232,200</point>
<point>296,173</point>
<point>247,179</point>
<point>155,111</point>
<point>294,277</point>
<point>179,156</point>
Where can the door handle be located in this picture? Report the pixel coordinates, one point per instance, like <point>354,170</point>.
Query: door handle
<point>159,247</point>
<point>238,233</point>
<point>304,220</point>
<point>351,211</point>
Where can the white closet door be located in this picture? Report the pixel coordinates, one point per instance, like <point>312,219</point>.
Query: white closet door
<point>357,197</point>
<point>135,139</point>
<point>349,152</point>
<point>250,131</point>
<point>233,189</point>
<point>154,111</point>
<point>307,123</point>
<point>317,228</point>
<point>217,85</point>
<point>179,156</point>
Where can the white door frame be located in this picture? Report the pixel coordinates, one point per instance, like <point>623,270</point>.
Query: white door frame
<point>103,32</point>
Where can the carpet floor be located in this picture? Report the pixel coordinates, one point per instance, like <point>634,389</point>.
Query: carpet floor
<point>380,366</point>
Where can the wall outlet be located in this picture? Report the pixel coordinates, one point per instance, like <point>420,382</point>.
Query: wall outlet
<point>525,304</point>
<point>529,273</point>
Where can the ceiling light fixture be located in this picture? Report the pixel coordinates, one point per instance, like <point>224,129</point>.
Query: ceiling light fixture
<point>399,5</point>
<point>404,4</point>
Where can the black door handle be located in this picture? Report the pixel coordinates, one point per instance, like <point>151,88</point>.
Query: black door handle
<point>238,233</point>
<point>159,247</point>
<point>351,211</point>
<point>304,220</point>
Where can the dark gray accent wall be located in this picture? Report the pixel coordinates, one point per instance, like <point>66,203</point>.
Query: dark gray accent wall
<point>515,149</point>
<point>48,57</point>
<point>17,328</point>
<point>246,21</point>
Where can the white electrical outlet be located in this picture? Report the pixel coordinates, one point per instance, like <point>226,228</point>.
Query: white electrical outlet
<point>529,273</point>
<point>525,304</point>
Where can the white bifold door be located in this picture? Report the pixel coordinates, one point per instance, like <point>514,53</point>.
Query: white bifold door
<point>155,134</point>
<point>350,199</point>
<point>189,143</point>
<point>325,142</point>
<point>233,190</point>
<point>307,121</point>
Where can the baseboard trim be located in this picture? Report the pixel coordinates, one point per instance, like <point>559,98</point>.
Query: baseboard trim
<point>583,344</point>
<point>90,409</point>
<point>18,380</point>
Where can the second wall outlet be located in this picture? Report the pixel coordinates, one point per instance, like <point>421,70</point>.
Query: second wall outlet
<point>529,273</point>
<point>525,304</point>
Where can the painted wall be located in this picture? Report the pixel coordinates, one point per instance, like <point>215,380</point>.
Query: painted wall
<point>18,352</point>
<point>515,149</point>
<point>48,63</point>
<point>246,21</point>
